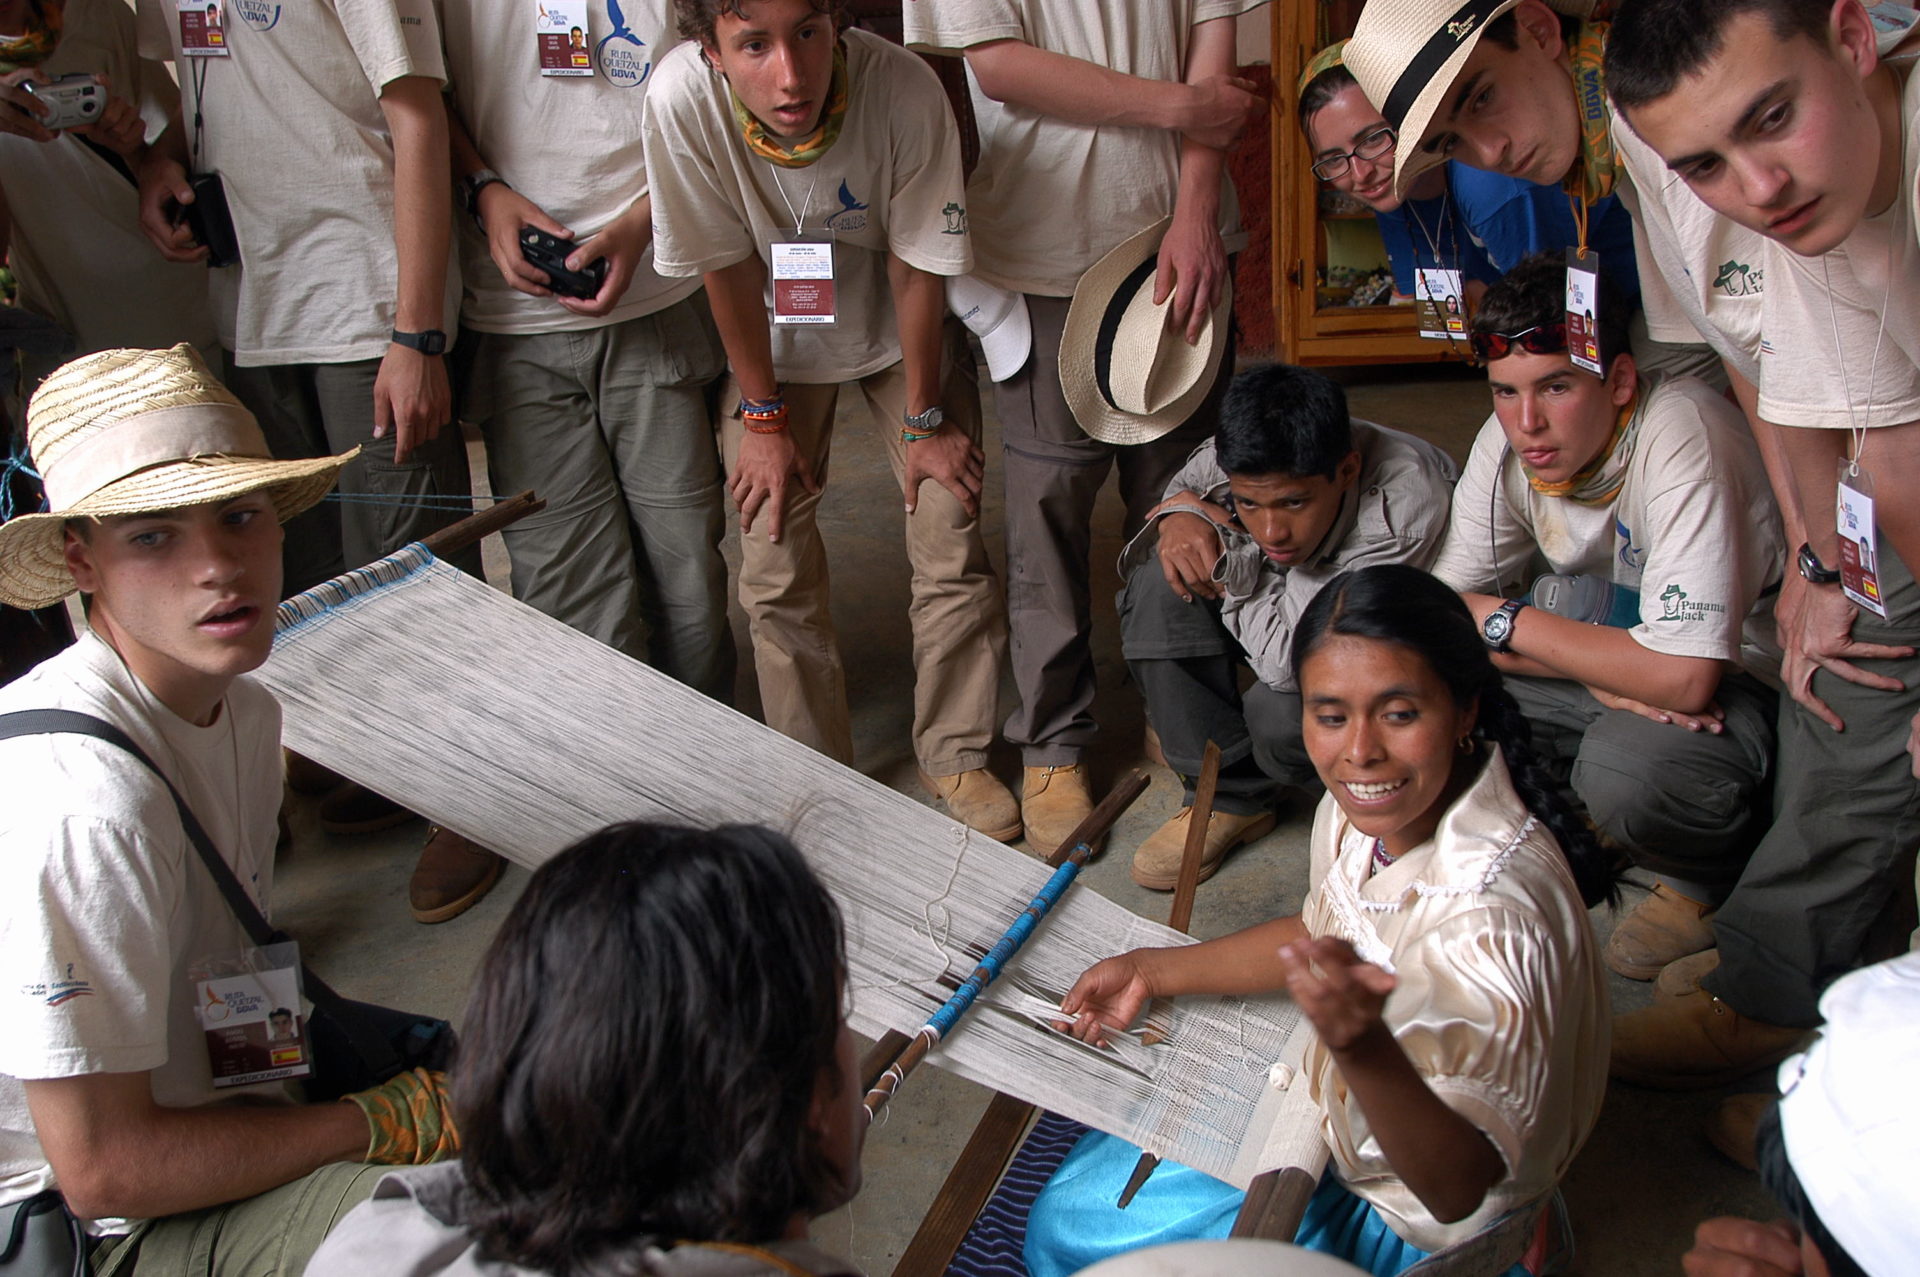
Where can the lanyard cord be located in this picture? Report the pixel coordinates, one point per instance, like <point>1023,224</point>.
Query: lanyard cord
<point>1436,246</point>
<point>799,220</point>
<point>199,106</point>
<point>1857,431</point>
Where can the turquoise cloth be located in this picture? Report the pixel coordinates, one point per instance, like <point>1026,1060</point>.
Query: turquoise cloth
<point>1075,1222</point>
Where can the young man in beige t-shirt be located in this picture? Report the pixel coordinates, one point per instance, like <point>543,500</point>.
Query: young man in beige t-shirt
<point>831,164</point>
<point>1097,119</point>
<point>1799,120</point>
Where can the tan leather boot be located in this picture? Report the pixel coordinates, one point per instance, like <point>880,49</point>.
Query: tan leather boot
<point>1695,1042</point>
<point>1663,928</point>
<point>1053,802</point>
<point>452,876</point>
<point>979,801</point>
<point>1156,865</point>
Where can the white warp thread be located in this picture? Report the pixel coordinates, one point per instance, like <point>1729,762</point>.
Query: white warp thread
<point>508,727</point>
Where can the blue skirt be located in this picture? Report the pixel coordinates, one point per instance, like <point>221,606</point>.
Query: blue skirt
<point>1074,1221</point>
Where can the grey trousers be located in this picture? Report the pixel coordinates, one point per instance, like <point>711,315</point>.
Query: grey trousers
<point>1188,669</point>
<point>1054,474</point>
<point>1846,824</point>
<point>312,410</point>
<point>613,427</point>
<point>1678,802</point>
<point>272,1234</point>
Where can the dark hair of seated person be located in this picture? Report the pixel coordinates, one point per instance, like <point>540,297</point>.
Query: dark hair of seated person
<point>1396,603</point>
<point>1282,419</point>
<point>1534,294</point>
<point>642,1055</point>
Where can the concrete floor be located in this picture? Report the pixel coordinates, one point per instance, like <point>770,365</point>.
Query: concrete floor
<point>1645,1179</point>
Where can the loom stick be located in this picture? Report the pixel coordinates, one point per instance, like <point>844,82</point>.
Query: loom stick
<point>1078,848</point>
<point>1180,918</point>
<point>458,536</point>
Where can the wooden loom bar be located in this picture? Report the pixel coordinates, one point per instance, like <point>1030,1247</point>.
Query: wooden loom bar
<point>458,536</point>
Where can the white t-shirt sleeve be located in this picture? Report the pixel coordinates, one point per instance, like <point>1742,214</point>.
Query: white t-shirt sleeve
<point>948,26</point>
<point>1803,381</point>
<point>84,950</point>
<point>154,35</point>
<point>1694,589</point>
<point>698,225</point>
<point>1483,537</point>
<point>393,39</point>
<point>927,215</point>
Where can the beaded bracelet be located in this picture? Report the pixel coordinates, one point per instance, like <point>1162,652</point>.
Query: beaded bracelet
<point>765,423</point>
<point>908,436</point>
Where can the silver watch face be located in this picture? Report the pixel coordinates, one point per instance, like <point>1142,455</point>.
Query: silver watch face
<point>1498,626</point>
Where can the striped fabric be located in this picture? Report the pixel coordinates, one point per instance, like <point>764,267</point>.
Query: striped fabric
<point>995,1246</point>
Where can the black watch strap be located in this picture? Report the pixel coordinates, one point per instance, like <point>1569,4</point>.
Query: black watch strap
<point>430,342</point>
<point>1814,570</point>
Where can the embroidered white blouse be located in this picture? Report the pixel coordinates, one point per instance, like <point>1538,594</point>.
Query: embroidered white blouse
<point>1501,1003</point>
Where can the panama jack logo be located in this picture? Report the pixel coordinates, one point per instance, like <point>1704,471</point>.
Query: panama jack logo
<point>1676,606</point>
<point>624,59</point>
<point>852,215</point>
<point>1737,279</point>
<point>1463,28</point>
<point>956,220</point>
<point>261,15</point>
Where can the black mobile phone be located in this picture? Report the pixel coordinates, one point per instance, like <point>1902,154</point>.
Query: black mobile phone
<point>549,253</point>
<point>210,220</point>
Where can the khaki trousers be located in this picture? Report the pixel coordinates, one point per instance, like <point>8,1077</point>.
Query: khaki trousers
<point>959,629</point>
<point>273,1234</point>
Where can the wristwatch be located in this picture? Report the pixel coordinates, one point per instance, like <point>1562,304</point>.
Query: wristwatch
<point>473,183</point>
<point>916,426</point>
<point>1497,630</point>
<point>430,342</point>
<point>1814,570</point>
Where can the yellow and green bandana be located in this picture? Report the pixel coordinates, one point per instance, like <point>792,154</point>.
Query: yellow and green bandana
<point>1593,176</point>
<point>1327,59</point>
<point>1599,481</point>
<point>815,144</point>
<point>36,44</point>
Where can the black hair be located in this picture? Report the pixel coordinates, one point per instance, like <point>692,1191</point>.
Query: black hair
<point>1534,292</point>
<point>696,17</point>
<point>1322,89</point>
<point>1394,603</point>
<point>1282,419</point>
<point>647,1035</point>
<point>278,1011</point>
<point>1505,29</point>
<point>1655,44</point>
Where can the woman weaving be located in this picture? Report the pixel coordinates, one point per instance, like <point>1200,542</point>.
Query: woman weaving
<point>1443,955</point>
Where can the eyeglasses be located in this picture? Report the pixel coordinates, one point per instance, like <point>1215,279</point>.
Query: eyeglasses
<point>1371,147</point>
<point>1541,339</point>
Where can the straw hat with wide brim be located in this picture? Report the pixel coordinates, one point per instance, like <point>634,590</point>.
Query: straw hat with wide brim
<point>1406,55</point>
<point>136,432</point>
<point>1128,377</point>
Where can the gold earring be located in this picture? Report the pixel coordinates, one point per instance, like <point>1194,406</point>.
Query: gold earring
<point>1465,743</point>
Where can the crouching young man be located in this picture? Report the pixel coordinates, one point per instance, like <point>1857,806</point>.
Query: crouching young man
<point>1647,499</point>
<point>813,178</point>
<point>166,515</point>
<point>1286,496</point>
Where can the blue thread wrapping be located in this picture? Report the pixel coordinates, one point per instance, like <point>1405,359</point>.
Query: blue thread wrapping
<point>329,597</point>
<point>988,970</point>
<point>17,463</point>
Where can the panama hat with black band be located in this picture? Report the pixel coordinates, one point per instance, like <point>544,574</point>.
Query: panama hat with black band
<point>1406,54</point>
<point>1126,375</point>
<point>126,432</point>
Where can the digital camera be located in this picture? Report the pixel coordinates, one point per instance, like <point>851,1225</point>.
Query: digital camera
<point>210,220</point>
<point>549,253</point>
<point>71,100</point>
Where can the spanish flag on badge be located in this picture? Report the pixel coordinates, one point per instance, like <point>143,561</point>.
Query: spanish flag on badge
<point>287,1055</point>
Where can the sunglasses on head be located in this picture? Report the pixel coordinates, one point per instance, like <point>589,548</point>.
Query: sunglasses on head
<point>1541,339</point>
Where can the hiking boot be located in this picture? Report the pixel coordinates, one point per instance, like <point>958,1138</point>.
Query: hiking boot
<point>1663,928</point>
<point>1684,977</point>
<point>1730,1127</point>
<point>1053,802</point>
<point>1694,1042</point>
<point>355,809</point>
<point>979,801</point>
<point>1156,865</point>
<point>452,876</point>
<point>309,779</point>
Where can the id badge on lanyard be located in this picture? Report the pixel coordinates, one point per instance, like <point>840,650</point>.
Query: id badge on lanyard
<point>1859,539</point>
<point>203,28</point>
<point>560,31</point>
<point>1583,310</point>
<point>803,278</point>
<point>249,1006</point>
<point>1440,301</point>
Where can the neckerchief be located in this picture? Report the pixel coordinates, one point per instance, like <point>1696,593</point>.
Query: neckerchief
<point>1600,480</point>
<point>37,43</point>
<point>815,144</point>
<point>1592,178</point>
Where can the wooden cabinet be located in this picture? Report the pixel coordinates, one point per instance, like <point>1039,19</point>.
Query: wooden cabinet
<point>1314,324</point>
